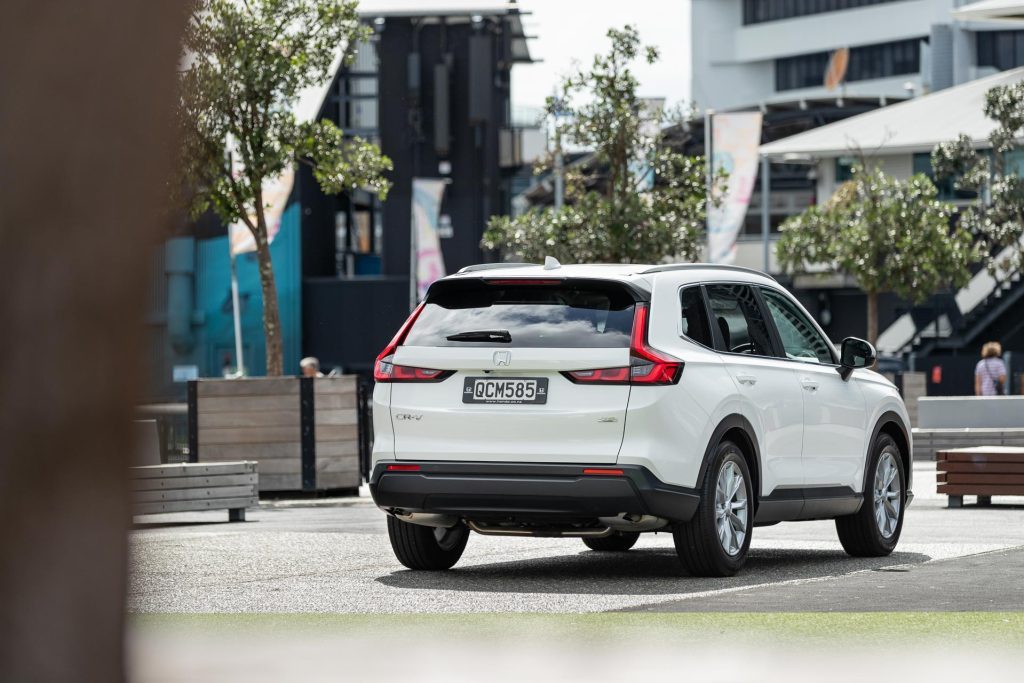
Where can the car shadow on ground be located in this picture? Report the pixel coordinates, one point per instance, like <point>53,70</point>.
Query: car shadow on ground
<point>644,571</point>
<point>141,526</point>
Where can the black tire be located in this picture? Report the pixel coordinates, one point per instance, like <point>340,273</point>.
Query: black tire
<point>697,541</point>
<point>426,548</point>
<point>618,542</point>
<point>860,534</point>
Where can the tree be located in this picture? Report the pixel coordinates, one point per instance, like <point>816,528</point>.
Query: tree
<point>890,235</point>
<point>247,61</point>
<point>637,200</point>
<point>998,219</point>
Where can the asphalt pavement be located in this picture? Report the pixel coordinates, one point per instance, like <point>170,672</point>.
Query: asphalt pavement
<point>333,556</point>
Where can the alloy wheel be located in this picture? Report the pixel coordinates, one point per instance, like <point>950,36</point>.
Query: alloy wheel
<point>731,510</point>
<point>887,498</point>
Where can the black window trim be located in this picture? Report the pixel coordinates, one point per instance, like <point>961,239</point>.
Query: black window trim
<point>777,337</point>
<point>770,324</point>
<point>707,316</point>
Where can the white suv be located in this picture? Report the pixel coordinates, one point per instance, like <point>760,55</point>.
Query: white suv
<point>602,401</point>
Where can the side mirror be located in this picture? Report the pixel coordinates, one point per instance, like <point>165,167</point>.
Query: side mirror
<point>855,353</point>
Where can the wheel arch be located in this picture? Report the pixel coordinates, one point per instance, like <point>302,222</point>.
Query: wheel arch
<point>891,424</point>
<point>737,429</point>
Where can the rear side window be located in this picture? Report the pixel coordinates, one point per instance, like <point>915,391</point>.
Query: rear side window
<point>474,313</point>
<point>695,323</point>
<point>741,324</point>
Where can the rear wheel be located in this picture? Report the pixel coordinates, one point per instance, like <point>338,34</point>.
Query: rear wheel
<point>715,542</point>
<point>617,542</point>
<point>424,547</point>
<point>875,530</point>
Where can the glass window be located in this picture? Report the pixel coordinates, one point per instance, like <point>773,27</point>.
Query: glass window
<point>947,190</point>
<point>536,316</point>
<point>800,340</point>
<point>844,169</point>
<point>758,11</point>
<point>741,325</point>
<point>695,317</point>
<point>883,60</point>
<point>1000,49</point>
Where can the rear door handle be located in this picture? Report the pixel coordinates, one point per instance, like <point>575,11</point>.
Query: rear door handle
<point>746,379</point>
<point>809,384</point>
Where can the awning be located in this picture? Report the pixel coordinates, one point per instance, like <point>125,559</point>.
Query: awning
<point>991,10</point>
<point>916,125</point>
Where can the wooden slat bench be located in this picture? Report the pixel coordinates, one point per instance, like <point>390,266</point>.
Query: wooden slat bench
<point>231,486</point>
<point>982,471</point>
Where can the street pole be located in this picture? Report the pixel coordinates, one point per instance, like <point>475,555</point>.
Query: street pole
<point>236,313</point>
<point>559,169</point>
<point>709,150</point>
<point>414,298</point>
<point>766,195</point>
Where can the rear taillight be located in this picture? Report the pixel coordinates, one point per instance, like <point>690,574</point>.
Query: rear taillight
<point>385,370</point>
<point>647,366</point>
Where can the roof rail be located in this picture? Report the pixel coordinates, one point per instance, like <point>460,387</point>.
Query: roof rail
<point>493,266</point>
<point>704,266</point>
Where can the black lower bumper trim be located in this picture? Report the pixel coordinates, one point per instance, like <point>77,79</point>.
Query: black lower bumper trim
<point>529,491</point>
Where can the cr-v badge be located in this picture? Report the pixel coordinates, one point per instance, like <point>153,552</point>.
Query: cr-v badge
<point>502,358</point>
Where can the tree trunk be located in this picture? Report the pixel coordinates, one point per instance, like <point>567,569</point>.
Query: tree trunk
<point>271,317</point>
<point>873,317</point>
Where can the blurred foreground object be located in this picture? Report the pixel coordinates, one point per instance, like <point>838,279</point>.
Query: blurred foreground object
<point>85,128</point>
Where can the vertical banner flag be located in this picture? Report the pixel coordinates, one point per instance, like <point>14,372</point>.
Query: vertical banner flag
<point>736,139</point>
<point>275,198</point>
<point>426,213</point>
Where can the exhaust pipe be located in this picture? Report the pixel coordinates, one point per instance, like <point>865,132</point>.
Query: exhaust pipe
<point>630,522</point>
<point>425,518</point>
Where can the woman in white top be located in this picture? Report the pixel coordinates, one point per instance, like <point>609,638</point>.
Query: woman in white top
<point>990,372</point>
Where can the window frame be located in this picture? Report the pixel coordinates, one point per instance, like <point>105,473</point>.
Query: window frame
<point>773,337</point>
<point>777,336</point>
<point>707,316</point>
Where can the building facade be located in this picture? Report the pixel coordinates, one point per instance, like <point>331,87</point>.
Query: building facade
<point>432,88</point>
<point>772,55</point>
<point>749,52</point>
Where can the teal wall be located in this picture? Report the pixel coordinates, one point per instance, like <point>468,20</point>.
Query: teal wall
<point>213,301</point>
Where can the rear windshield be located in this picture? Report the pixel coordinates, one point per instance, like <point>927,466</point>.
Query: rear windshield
<point>504,316</point>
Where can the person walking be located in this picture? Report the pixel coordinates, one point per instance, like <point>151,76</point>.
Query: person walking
<point>990,372</point>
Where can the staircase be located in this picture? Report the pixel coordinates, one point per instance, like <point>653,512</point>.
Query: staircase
<point>949,321</point>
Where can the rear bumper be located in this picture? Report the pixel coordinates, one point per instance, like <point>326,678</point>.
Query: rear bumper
<point>501,491</point>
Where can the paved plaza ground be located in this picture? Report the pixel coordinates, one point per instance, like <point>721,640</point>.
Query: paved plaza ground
<point>332,558</point>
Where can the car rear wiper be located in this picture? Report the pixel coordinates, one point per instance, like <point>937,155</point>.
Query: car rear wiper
<point>497,336</point>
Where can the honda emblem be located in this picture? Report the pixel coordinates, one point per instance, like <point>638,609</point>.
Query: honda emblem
<point>502,358</point>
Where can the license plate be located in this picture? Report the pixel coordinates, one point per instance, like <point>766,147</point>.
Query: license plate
<point>514,390</point>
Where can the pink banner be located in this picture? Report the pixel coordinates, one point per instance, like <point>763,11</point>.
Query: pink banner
<point>736,139</point>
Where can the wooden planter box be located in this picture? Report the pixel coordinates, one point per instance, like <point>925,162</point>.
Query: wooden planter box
<point>303,432</point>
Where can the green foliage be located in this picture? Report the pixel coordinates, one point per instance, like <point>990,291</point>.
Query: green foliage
<point>998,219</point>
<point>613,211</point>
<point>890,235</point>
<point>246,63</point>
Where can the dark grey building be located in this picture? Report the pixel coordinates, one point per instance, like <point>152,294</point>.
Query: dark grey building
<point>433,88</point>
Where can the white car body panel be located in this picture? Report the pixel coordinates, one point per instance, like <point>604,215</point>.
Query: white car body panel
<point>806,438</point>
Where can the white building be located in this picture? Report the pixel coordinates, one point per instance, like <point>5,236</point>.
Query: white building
<point>752,52</point>
<point>899,139</point>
